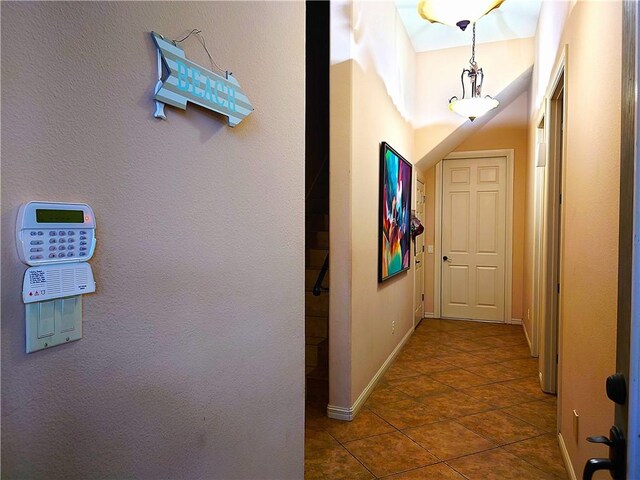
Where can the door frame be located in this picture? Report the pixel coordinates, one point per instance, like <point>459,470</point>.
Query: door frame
<point>549,314</point>
<point>419,179</point>
<point>538,222</point>
<point>628,325</point>
<point>508,269</point>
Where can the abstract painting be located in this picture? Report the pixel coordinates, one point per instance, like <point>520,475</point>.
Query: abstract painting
<point>395,213</point>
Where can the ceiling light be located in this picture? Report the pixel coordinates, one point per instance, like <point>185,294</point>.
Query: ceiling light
<point>476,105</point>
<point>458,13</point>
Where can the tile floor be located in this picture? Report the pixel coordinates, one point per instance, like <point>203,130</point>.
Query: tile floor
<point>461,401</point>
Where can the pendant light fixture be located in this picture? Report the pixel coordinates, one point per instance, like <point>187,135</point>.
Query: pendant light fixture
<point>476,105</point>
<point>457,13</point>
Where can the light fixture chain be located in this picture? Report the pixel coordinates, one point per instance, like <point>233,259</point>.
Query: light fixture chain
<point>473,46</point>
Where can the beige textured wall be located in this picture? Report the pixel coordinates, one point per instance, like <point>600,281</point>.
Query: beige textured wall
<point>590,233</point>
<point>509,130</point>
<point>375,306</point>
<point>588,319</point>
<point>370,103</point>
<point>192,361</point>
<point>549,32</point>
<point>340,238</point>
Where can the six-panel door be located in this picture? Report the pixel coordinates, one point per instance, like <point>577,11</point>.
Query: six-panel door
<point>473,238</point>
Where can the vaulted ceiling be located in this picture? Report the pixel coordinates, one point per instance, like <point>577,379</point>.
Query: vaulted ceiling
<point>513,19</point>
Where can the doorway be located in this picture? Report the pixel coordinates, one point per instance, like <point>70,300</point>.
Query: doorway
<point>474,223</point>
<point>317,206</point>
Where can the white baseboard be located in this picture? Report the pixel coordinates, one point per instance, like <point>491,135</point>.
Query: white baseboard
<point>516,321</point>
<point>340,413</point>
<point>348,414</point>
<point>526,335</point>
<point>565,457</point>
<point>429,315</point>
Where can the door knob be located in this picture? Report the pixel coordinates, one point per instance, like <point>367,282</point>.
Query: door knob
<point>617,388</point>
<point>446,259</point>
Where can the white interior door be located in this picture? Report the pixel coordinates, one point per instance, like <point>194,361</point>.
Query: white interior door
<point>419,256</point>
<point>474,238</point>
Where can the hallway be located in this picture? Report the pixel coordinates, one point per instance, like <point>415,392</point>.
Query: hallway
<point>461,401</point>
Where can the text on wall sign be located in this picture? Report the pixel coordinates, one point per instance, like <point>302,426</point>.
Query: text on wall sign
<point>189,82</point>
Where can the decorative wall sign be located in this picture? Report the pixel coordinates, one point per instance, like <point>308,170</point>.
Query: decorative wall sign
<point>189,82</point>
<point>395,213</point>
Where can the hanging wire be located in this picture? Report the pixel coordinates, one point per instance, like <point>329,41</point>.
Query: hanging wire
<point>198,33</point>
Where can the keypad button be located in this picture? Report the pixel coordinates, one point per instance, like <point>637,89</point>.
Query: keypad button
<point>40,233</point>
<point>71,240</point>
<point>62,255</point>
<point>83,232</point>
<point>69,254</point>
<point>33,233</point>
<point>35,257</point>
<point>70,247</point>
<point>83,238</point>
<point>36,249</point>
<point>63,240</point>
<point>52,255</point>
<point>81,254</point>
<point>53,240</point>
<point>61,247</point>
<point>52,248</point>
<point>52,233</point>
<point>36,242</point>
<point>71,232</point>
<point>83,249</point>
<point>83,243</point>
<point>62,232</point>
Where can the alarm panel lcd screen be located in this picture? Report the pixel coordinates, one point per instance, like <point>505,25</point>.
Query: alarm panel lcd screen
<point>59,216</point>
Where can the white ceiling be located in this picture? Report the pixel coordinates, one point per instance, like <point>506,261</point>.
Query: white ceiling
<point>514,19</point>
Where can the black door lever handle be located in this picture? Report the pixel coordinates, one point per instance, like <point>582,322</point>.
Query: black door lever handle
<point>616,463</point>
<point>600,439</point>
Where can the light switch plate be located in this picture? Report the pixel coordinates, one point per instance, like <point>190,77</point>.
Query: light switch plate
<point>53,322</point>
<point>429,248</point>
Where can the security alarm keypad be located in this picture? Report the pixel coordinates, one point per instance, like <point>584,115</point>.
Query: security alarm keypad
<point>56,240</point>
<point>55,233</point>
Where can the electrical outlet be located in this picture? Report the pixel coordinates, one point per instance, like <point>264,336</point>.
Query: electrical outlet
<point>393,326</point>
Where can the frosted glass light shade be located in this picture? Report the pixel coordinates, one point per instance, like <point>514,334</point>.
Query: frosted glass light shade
<point>451,12</point>
<point>473,107</point>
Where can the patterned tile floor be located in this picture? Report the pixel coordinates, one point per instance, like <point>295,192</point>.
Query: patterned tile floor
<point>461,401</point>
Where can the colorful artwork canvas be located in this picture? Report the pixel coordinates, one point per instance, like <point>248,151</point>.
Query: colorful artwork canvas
<point>395,213</point>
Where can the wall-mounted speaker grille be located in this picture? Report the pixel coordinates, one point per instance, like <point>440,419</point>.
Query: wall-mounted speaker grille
<point>68,280</point>
<point>53,281</point>
<point>81,276</point>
